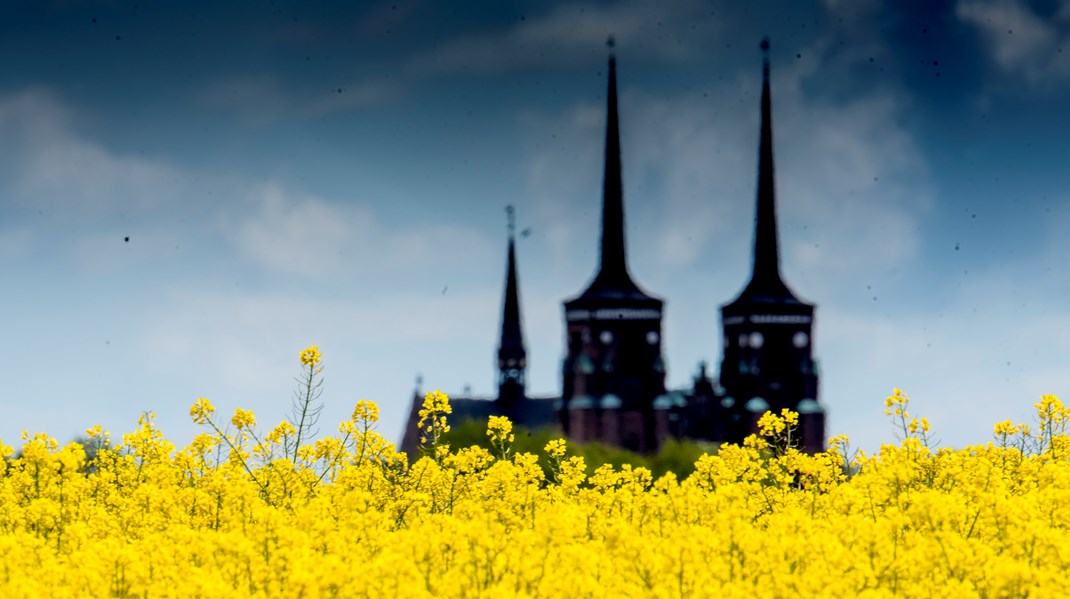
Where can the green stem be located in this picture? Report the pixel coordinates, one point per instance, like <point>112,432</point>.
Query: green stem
<point>304,409</point>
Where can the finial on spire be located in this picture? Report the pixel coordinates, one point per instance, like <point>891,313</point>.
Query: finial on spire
<point>510,213</point>
<point>610,42</point>
<point>765,44</point>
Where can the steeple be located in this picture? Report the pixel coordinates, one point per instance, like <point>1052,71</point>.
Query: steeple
<point>766,284</point>
<point>767,332</point>
<point>612,279</point>
<point>614,370</point>
<point>512,358</point>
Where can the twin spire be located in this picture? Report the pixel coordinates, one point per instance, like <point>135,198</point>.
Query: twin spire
<point>612,280</point>
<point>766,285</point>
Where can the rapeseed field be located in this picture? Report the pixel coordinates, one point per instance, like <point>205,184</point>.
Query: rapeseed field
<point>279,514</point>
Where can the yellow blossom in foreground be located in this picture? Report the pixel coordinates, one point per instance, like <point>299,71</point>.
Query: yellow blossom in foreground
<point>243,419</point>
<point>366,410</point>
<point>500,429</point>
<point>347,516</point>
<point>201,411</point>
<point>310,356</point>
<point>555,448</point>
<point>280,432</point>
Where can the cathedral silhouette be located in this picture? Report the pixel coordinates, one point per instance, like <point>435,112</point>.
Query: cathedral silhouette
<point>613,374</point>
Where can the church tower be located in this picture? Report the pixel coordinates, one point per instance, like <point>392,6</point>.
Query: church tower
<point>512,357</point>
<point>613,370</point>
<point>768,332</point>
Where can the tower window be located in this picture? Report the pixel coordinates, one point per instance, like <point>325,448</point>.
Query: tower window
<point>652,337</point>
<point>800,339</point>
<point>606,337</point>
<point>756,339</point>
<point>743,340</point>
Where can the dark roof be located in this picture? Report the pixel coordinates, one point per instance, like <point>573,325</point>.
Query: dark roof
<point>531,412</point>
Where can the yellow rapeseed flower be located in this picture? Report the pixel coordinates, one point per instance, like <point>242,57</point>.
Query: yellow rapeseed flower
<point>366,411</point>
<point>229,515</point>
<point>500,429</point>
<point>201,411</point>
<point>243,419</point>
<point>555,448</point>
<point>310,356</point>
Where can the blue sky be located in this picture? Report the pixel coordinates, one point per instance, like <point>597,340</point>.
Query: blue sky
<point>337,174</point>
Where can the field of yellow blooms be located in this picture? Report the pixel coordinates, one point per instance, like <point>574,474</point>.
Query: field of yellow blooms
<point>239,513</point>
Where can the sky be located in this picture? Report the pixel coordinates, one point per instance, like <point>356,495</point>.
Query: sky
<point>193,192</point>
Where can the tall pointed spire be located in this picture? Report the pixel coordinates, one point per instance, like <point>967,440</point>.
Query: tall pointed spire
<point>765,279</point>
<point>612,277</point>
<point>613,264</point>
<point>512,357</point>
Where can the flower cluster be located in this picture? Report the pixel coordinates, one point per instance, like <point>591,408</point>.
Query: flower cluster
<point>310,356</point>
<point>433,423</point>
<point>500,431</point>
<point>233,513</point>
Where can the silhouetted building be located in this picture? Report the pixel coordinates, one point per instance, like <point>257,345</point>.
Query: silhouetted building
<point>767,331</point>
<point>512,399</point>
<point>613,373</point>
<point>613,370</point>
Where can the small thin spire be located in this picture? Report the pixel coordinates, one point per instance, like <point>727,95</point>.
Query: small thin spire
<point>511,352</point>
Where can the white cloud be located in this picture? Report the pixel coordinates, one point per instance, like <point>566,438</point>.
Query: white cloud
<point>1021,41</point>
<point>56,169</point>
<point>682,160</point>
<point>556,37</point>
<point>301,234</point>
